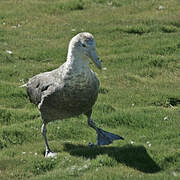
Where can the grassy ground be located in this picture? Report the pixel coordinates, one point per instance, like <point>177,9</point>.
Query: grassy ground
<point>139,98</point>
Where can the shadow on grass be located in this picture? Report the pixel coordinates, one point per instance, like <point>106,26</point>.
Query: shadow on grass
<point>132,156</point>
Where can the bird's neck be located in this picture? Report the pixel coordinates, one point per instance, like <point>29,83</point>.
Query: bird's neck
<point>77,62</point>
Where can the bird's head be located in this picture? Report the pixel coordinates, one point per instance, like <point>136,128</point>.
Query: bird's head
<point>84,44</point>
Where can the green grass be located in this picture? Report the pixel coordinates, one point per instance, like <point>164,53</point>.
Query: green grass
<point>140,84</point>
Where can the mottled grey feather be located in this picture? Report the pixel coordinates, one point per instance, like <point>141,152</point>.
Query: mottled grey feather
<point>70,90</point>
<point>58,98</point>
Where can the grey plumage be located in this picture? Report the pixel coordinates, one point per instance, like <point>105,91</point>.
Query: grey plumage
<point>59,97</point>
<point>70,90</point>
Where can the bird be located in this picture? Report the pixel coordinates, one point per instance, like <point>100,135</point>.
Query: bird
<point>70,90</point>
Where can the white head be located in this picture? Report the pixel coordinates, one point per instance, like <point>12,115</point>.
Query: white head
<point>83,45</point>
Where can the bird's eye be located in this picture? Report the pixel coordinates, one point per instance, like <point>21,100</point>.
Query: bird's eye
<point>84,45</point>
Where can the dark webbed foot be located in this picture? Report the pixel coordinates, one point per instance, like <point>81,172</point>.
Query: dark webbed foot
<point>105,138</point>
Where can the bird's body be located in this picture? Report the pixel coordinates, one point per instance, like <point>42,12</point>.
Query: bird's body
<point>63,93</point>
<point>70,90</point>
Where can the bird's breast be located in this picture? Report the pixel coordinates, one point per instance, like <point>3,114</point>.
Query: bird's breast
<point>81,87</point>
<point>77,95</point>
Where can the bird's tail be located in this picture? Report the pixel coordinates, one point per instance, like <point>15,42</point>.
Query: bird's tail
<point>24,85</point>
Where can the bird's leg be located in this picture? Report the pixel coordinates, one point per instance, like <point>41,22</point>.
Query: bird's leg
<point>103,138</point>
<point>48,152</point>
